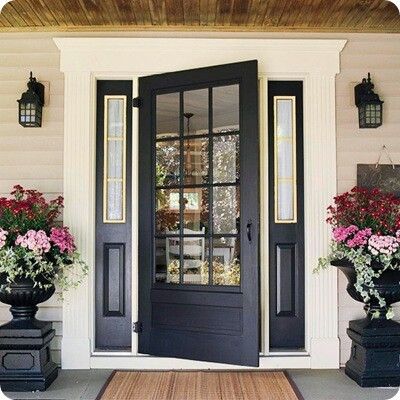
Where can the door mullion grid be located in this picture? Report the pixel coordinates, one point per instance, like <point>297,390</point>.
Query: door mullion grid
<point>199,185</point>
<point>202,136</point>
<point>181,182</point>
<point>210,186</point>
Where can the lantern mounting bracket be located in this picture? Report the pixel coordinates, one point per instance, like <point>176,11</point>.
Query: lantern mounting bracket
<point>36,87</point>
<point>364,91</point>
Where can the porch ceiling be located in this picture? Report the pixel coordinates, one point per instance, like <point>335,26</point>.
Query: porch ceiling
<point>212,15</point>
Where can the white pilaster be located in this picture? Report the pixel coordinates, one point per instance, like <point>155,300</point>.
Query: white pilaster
<point>78,214</point>
<point>320,187</point>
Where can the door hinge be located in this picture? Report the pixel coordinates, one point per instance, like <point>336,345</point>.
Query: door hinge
<point>137,102</point>
<point>137,327</point>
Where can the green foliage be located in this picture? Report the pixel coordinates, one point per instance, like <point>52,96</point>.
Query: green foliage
<point>366,274</point>
<point>50,260</point>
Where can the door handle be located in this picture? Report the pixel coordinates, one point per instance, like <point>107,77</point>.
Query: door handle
<point>248,229</point>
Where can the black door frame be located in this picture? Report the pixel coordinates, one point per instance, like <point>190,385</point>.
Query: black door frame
<point>250,215</point>
<point>113,327</point>
<point>286,294</point>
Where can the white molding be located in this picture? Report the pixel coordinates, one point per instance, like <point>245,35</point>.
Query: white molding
<point>78,213</point>
<point>325,354</point>
<point>142,55</point>
<point>107,44</point>
<point>315,62</point>
<point>320,187</point>
<point>164,363</point>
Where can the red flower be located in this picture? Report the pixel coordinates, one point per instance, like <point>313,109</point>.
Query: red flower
<point>28,209</point>
<point>366,208</point>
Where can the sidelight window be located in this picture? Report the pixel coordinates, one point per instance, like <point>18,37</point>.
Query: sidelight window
<point>114,159</point>
<point>285,159</point>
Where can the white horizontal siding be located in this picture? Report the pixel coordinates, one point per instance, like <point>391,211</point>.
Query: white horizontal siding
<point>28,156</point>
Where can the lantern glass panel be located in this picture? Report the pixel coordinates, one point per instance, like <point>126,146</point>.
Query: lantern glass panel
<point>370,115</point>
<point>30,114</point>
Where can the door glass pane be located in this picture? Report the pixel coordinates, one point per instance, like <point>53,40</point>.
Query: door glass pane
<point>195,112</point>
<point>195,155</point>
<point>286,201</point>
<point>114,201</point>
<point>195,262</point>
<point>115,118</point>
<point>167,163</point>
<point>285,159</point>
<point>284,117</point>
<point>226,109</point>
<point>195,210</point>
<point>114,159</point>
<point>226,158</point>
<point>167,115</point>
<point>167,260</point>
<point>167,210</point>
<point>226,209</point>
<point>226,261</point>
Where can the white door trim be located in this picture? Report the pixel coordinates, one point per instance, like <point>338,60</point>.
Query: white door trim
<point>316,62</point>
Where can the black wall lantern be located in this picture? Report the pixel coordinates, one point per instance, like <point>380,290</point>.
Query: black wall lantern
<point>370,108</point>
<point>31,104</point>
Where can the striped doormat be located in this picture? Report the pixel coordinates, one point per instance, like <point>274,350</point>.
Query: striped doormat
<point>199,385</point>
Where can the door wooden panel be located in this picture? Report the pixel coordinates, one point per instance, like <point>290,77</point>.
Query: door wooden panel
<point>113,216</point>
<point>286,217</point>
<point>199,214</point>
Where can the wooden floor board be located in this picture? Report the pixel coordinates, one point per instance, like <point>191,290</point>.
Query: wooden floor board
<point>199,385</point>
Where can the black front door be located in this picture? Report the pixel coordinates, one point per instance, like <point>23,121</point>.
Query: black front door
<point>199,214</point>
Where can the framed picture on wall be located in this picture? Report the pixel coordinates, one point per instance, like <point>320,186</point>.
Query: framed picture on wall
<point>383,176</point>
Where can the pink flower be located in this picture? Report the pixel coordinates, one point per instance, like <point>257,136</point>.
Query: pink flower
<point>360,238</point>
<point>3,237</point>
<point>341,234</point>
<point>383,244</point>
<point>62,239</point>
<point>37,241</point>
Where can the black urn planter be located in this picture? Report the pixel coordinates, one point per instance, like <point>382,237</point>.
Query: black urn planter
<point>375,350</point>
<point>25,357</point>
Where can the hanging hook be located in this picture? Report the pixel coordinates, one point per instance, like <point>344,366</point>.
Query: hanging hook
<point>384,149</point>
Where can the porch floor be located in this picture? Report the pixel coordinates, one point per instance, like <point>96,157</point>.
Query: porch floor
<point>313,384</point>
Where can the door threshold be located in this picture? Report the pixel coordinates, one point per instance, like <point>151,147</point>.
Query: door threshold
<point>294,353</point>
<point>143,362</point>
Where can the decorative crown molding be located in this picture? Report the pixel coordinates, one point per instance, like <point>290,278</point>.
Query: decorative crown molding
<point>138,55</point>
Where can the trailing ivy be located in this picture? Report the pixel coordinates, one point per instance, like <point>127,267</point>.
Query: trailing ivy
<point>366,233</point>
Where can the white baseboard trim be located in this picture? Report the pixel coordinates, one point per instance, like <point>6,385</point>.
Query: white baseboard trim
<point>325,353</point>
<point>75,353</point>
<point>161,363</point>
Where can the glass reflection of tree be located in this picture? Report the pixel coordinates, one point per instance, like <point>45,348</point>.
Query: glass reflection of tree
<point>167,163</point>
<point>226,198</point>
